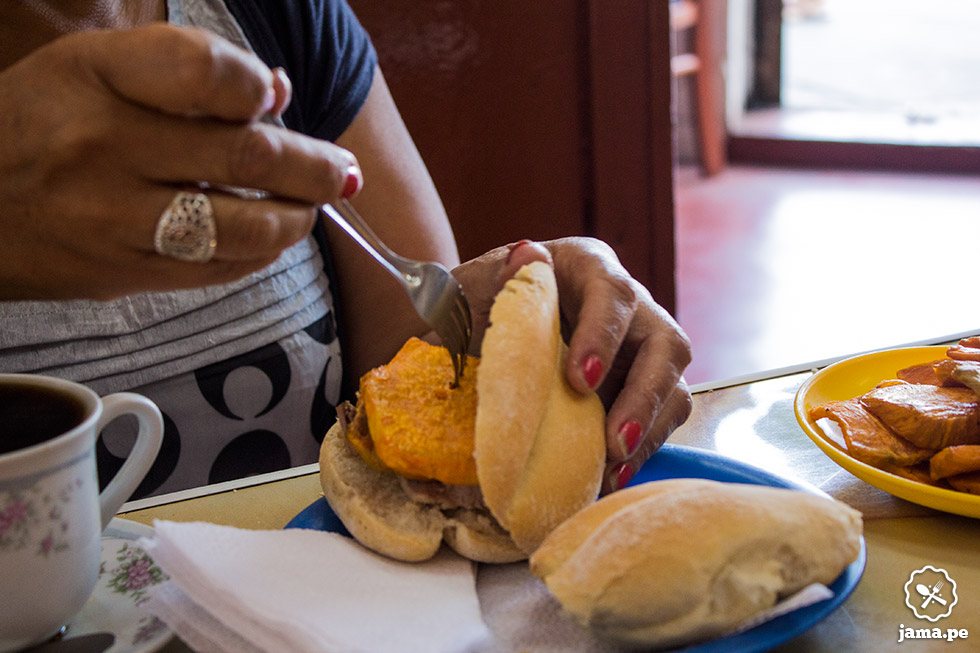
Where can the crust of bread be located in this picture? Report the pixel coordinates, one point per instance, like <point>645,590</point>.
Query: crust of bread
<point>518,358</point>
<point>372,505</point>
<point>378,513</point>
<point>674,562</point>
<point>477,536</point>
<point>534,432</point>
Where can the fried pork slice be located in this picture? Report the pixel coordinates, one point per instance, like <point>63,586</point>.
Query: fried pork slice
<point>952,461</point>
<point>867,439</point>
<point>927,416</point>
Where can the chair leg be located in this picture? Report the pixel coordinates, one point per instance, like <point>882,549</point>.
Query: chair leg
<point>709,91</point>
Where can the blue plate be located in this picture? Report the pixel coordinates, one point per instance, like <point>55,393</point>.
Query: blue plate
<point>676,461</point>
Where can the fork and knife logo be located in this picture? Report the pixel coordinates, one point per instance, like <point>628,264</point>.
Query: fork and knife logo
<point>930,593</point>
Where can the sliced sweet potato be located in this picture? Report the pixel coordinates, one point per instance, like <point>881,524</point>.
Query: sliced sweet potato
<point>967,349</point>
<point>918,473</point>
<point>967,373</point>
<point>928,416</point>
<point>924,373</point>
<point>969,483</point>
<point>952,461</point>
<point>867,439</point>
<point>406,397</point>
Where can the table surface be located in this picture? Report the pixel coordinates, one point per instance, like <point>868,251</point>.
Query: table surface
<point>753,423</point>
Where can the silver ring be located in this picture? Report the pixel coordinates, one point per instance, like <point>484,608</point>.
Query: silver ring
<point>186,229</point>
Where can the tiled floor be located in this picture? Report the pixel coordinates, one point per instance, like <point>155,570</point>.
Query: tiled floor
<point>780,267</point>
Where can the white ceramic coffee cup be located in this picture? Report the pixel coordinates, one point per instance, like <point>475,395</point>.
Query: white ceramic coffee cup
<point>52,514</point>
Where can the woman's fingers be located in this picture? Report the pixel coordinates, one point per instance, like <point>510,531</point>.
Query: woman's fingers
<point>644,375</point>
<point>673,413</point>
<point>624,346</point>
<point>257,155</point>
<point>182,71</point>
<point>191,100</point>
<point>246,229</point>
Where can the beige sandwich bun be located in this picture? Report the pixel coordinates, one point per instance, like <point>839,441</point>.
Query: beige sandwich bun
<point>538,446</point>
<point>675,562</point>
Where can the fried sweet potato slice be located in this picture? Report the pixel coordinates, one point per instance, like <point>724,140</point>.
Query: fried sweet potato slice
<point>944,370</point>
<point>951,461</point>
<point>927,416</point>
<point>867,439</point>
<point>420,426</point>
<point>924,373</point>
<point>967,373</point>
<point>918,473</point>
<point>967,349</point>
<point>969,483</point>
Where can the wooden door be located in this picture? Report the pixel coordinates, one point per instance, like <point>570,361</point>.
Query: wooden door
<point>540,119</point>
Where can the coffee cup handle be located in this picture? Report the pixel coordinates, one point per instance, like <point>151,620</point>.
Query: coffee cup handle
<point>144,453</point>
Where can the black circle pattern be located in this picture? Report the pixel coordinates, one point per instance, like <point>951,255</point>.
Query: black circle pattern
<point>215,388</point>
<point>270,359</point>
<point>109,464</point>
<point>255,452</point>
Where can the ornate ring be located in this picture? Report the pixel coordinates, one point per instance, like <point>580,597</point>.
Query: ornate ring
<point>186,230</point>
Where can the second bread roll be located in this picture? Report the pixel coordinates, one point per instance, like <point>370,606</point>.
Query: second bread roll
<point>674,562</point>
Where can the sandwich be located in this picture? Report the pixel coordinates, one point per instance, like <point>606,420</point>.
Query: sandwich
<point>490,466</point>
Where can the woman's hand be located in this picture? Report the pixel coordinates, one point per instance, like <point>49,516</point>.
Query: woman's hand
<point>622,344</point>
<point>99,130</point>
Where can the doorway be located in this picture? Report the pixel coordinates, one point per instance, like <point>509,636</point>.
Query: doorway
<point>888,84</point>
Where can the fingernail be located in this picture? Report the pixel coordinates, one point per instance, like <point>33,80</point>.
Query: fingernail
<point>269,100</point>
<point>524,241</point>
<point>353,183</point>
<point>592,369</point>
<point>286,86</point>
<point>623,475</point>
<point>629,437</point>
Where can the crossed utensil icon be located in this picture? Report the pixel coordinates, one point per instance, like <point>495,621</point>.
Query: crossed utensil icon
<point>931,594</point>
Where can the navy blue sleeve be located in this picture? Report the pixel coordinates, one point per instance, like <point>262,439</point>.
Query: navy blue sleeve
<point>324,50</point>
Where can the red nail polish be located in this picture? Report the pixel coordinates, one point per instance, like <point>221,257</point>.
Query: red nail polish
<point>353,182</point>
<point>519,243</point>
<point>629,437</point>
<point>623,475</point>
<point>592,369</point>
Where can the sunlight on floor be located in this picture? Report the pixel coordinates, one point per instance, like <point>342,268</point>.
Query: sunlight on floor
<point>781,267</point>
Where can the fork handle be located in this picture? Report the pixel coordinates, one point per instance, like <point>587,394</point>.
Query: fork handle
<point>345,217</point>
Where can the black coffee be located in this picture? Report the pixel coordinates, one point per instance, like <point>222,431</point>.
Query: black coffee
<point>30,415</point>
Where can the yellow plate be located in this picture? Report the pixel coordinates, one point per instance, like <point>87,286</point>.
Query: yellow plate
<point>851,377</point>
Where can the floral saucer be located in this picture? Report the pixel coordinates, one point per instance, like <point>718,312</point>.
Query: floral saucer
<point>125,576</point>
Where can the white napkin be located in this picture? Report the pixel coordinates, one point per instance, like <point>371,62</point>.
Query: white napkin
<point>302,590</point>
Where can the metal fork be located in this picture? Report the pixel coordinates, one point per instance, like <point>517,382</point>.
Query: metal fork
<point>435,293</point>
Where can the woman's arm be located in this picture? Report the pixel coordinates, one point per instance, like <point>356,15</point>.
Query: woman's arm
<point>401,204</point>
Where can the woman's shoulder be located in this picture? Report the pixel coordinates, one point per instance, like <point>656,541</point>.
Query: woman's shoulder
<point>325,51</point>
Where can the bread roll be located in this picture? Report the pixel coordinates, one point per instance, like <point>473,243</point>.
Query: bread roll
<point>378,513</point>
<point>675,562</point>
<point>540,445</point>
